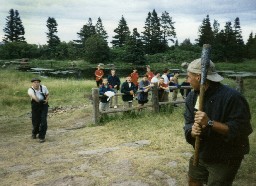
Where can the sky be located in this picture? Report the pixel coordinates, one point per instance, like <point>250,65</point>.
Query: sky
<point>71,15</point>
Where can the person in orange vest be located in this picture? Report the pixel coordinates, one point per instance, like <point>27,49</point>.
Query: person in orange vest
<point>134,78</point>
<point>99,75</point>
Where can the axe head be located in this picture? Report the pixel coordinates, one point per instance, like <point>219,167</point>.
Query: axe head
<point>205,62</point>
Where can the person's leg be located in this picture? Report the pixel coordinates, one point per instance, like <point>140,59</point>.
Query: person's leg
<point>174,95</point>
<point>198,175</point>
<point>116,99</point>
<point>36,119</point>
<point>43,126</point>
<point>223,173</point>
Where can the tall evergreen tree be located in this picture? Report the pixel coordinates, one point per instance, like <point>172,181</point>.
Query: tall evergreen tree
<point>238,32</point>
<point>240,48</point>
<point>100,30</point>
<point>53,40</point>
<point>14,30</point>
<point>205,32</point>
<point>122,33</point>
<point>251,47</point>
<point>168,29</point>
<point>216,28</point>
<point>134,49</point>
<point>152,35</point>
<point>86,32</point>
<point>96,49</point>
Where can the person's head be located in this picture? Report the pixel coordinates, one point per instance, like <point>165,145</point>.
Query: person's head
<point>161,80</point>
<point>35,82</point>
<point>128,79</point>
<point>165,71</point>
<point>104,81</point>
<point>98,67</point>
<point>145,77</point>
<point>134,70</point>
<point>113,72</point>
<point>156,73</point>
<point>176,73</point>
<point>194,74</point>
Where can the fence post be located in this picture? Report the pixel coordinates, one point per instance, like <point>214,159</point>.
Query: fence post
<point>96,111</point>
<point>239,84</point>
<point>155,101</point>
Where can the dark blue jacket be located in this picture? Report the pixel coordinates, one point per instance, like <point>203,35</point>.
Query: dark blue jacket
<point>126,90</point>
<point>114,80</point>
<point>102,90</point>
<point>225,105</point>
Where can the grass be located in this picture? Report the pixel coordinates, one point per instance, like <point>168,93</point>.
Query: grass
<point>59,156</point>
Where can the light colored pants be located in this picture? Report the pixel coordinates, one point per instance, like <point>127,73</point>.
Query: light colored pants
<point>104,106</point>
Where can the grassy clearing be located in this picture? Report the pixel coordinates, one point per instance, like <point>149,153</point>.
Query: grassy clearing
<point>168,153</point>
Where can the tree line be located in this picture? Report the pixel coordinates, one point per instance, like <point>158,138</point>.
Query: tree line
<point>157,39</point>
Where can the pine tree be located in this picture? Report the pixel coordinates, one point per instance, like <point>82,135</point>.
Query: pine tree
<point>251,46</point>
<point>96,49</point>
<point>168,29</point>
<point>134,49</point>
<point>122,34</point>
<point>239,50</point>
<point>205,32</point>
<point>53,40</point>
<point>152,35</point>
<point>100,30</point>
<point>229,42</point>
<point>14,30</point>
<point>86,32</point>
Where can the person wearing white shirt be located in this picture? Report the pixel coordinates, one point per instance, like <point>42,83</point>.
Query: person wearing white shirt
<point>39,95</point>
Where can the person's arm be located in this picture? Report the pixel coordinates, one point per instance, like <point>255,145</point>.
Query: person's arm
<point>202,121</point>
<point>32,95</point>
<point>46,98</point>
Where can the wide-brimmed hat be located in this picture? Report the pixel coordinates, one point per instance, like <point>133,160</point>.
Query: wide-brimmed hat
<point>212,75</point>
<point>35,79</point>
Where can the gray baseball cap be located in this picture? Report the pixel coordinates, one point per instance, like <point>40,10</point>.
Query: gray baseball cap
<point>212,75</point>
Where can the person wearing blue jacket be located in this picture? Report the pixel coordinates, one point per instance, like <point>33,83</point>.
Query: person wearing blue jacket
<point>114,81</point>
<point>104,99</point>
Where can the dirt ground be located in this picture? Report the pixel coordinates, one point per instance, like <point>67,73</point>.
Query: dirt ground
<point>74,155</point>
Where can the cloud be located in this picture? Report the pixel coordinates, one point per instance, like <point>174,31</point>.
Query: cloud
<point>72,15</point>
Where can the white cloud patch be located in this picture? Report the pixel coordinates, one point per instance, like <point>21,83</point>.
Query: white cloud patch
<point>72,15</point>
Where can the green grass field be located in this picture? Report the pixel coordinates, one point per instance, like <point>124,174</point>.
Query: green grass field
<point>164,159</point>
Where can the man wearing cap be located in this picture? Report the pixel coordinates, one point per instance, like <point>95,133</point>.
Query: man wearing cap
<point>223,127</point>
<point>39,95</point>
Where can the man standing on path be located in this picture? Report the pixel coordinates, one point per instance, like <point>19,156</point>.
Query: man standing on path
<point>223,127</point>
<point>39,95</point>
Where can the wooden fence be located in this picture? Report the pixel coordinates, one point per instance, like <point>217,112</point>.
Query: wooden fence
<point>155,104</point>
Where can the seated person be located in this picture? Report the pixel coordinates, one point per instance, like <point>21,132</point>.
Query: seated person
<point>163,90</point>
<point>106,92</point>
<point>129,90</point>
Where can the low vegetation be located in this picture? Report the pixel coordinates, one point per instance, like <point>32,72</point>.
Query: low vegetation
<point>71,136</point>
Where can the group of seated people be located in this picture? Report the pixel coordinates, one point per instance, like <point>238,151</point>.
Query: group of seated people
<point>132,89</point>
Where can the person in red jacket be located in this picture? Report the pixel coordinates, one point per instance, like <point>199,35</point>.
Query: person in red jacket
<point>134,78</point>
<point>99,75</point>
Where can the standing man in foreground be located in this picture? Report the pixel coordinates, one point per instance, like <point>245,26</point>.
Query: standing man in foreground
<point>39,95</point>
<point>223,128</point>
